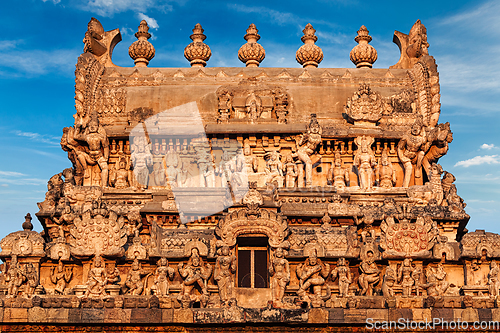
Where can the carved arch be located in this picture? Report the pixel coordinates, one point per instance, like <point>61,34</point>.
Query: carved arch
<point>240,223</point>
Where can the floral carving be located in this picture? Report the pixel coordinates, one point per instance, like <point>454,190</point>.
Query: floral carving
<point>407,239</point>
<point>365,106</point>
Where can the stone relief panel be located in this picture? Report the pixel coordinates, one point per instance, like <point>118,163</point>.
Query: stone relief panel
<point>249,102</point>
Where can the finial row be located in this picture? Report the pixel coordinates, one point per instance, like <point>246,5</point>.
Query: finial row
<point>252,53</point>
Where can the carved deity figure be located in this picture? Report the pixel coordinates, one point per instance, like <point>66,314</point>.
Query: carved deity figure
<point>436,281</point>
<point>225,168</point>
<point>61,277</point>
<point>388,282</point>
<point>163,273</point>
<point>30,278</point>
<point>279,269</point>
<point>224,106</point>
<point>171,163</point>
<point>195,274</point>
<point>112,275</point>
<point>206,166</point>
<point>14,277</point>
<point>410,151</point>
<point>141,160</point>
<point>274,169</point>
<point>438,140</point>
<point>306,146</point>
<point>250,160</point>
<point>97,279</point>
<point>451,198</point>
<point>386,175</point>
<point>95,136</point>
<point>290,169</point>
<point>370,274</point>
<point>67,216</point>
<point>493,281</point>
<point>338,176</point>
<point>313,273</point>
<point>134,281</point>
<point>343,272</point>
<point>119,177</point>
<point>364,160</point>
<point>405,277</point>
<point>239,176</point>
<point>416,275</point>
<point>225,268</point>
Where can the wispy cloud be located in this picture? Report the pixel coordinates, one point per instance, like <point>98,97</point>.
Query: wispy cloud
<point>278,17</point>
<point>153,24</point>
<point>488,146</point>
<point>52,140</point>
<point>55,2</point>
<point>10,44</point>
<point>11,174</point>
<point>110,7</point>
<point>38,62</point>
<point>478,160</point>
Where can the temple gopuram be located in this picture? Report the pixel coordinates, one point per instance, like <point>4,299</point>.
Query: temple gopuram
<point>250,199</point>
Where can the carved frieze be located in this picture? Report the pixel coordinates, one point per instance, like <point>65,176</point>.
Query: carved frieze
<point>408,239</point>
<point>249,102</point>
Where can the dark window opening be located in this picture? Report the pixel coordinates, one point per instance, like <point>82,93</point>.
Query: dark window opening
<point>252,262</point>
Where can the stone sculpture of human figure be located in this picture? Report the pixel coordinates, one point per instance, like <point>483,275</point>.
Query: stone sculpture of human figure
<point>225,168</point>
<point>343,273</point>
<point>365,160</point>
<point>437,140</point>
<point>141,160</point>
<point>388,282</point>
<point>370,274</point>
<point>436,284</point>
<point>386,175</point>
<point>112,275</point>
<point>14,277</point>
<point>134,281</point>
<point>290,169</point>
<point>95,136</point>
<point>31,278</point>
<point>410,152</point>
<point>405,277</point>
<point>225,268</point>
<point>171,163</point>
<point>194,273</point>
<point>306,146</point>
<point>61,277</point>
<point>338,175</point>
<point>313,273</point>
<point>206,166</point>
<point>274,169</point>
<point>97,279</point>
<point>119,177</point>
<point>493,281</point>
<point>279,269</point>
<point>163,274</point>
<point>416,275</point>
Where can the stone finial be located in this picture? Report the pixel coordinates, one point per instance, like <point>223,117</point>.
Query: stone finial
<point>309,55</point>
<point>363,55</point>
<point>197,52</point>
<point>142,51</point>
<point>252,53</point>
<point>27,225</point>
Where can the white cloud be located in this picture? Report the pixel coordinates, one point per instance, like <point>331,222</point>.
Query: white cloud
<point>111,7</point>
<point>5,185</point>
<point>53,1</point>
<point>11,174</point>
<point>53,140</point>
<point>10,44</point>
<point>153,24</point>
<point>488,146</point>
<point>38,62</point>
<point>478,160</point>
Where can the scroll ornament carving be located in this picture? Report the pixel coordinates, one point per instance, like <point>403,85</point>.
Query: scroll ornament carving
<point>365,106</point>
<point>26,243</point>
<point>98,232</point>
<point>252,220</point>
<point>407,239</point>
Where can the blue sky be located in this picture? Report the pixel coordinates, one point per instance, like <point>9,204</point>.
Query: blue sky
<point>41,40</point>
